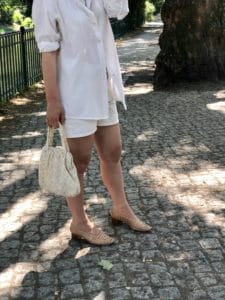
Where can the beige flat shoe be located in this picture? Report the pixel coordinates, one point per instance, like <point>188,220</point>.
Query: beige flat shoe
<point>133,222</point>
<point>95,236</point>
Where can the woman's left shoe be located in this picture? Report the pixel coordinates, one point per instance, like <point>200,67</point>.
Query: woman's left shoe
<point>132,221</point>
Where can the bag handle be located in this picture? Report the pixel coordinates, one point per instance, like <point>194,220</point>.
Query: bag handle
<point>50,136</point>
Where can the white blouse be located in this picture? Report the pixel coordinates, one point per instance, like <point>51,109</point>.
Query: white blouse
<point>87,49</point>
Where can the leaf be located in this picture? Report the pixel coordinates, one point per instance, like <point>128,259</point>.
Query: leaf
<point>106,264</point>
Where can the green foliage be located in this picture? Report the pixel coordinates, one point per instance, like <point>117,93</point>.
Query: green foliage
<point>136,16</point>
<point>21,20</point>
<point>149,11</point>
<point>158,4</point>
<point>17,17</point>
<point>9,11</point>
<point>6,11</point>
<point>27,22</point>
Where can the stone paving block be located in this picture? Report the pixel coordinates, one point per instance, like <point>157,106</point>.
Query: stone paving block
<point>142,293</point>
<point>207,279</point>
<point>214,255</point>
<point>216,292</point>
<point>162,279</point>
<point>201,266</point>
<point>45,292</point>
<point>219,267</point>
<point>71,276</point>
<point>116,280</point>
<point>197,295</point>
<point>46,278</point>
<point>120,294</point>
<point>169,293</point>
<point>190,283</point>
<point>65,264</point>
<point>92,285</point>
<point>211,243</point>
<point>143,279</point>
<point>173,165</point>
<point>72,291</point>
<point>23,293</point>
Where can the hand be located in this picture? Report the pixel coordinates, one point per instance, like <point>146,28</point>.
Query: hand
<point>55,114</point>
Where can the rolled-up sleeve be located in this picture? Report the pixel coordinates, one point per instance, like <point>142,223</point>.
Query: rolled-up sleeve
<point>116,8</point>
<point>46,30</point>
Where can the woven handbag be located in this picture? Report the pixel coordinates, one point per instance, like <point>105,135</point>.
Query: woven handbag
<point>57,172</point>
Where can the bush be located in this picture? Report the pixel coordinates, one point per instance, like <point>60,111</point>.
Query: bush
<point>6,12</point>
<point>149,11</point>
<point>12,11</point>
<point>27,22</point>
<point>136,16</point>
<point>17,17</point>
<point>158,4</point>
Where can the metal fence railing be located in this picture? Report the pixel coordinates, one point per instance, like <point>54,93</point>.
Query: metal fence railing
<point>19,62</point>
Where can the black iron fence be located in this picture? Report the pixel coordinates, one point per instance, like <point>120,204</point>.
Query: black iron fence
<point>19,62</point>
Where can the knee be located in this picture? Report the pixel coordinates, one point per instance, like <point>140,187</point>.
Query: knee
<point>113,156</point>
<point>81,163</point>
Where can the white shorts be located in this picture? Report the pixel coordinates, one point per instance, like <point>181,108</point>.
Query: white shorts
<point>76,128</point>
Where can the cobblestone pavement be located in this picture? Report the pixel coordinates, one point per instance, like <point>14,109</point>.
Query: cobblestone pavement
<point>174,168</point>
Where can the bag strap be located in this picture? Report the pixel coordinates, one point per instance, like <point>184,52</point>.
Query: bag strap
<point>50,136</point>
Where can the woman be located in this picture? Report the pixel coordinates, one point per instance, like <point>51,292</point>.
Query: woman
<point>83,82</point>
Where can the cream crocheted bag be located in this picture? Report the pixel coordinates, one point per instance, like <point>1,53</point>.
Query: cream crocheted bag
<point>57,172</point>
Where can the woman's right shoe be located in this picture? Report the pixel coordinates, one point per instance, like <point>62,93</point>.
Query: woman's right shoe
<point>95,235</point>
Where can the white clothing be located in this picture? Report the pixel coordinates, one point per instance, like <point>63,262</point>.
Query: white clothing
<point>87,48</point>
<point>76,128</point>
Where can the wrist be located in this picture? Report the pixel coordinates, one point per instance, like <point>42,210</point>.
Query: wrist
<point>53,100</point>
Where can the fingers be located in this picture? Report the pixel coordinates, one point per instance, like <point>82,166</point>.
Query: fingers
<point>55,115</point>
<point>62,117</point>
<point>52,122</point>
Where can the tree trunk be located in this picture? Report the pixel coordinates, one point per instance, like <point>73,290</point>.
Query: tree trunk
<point>192,43</point>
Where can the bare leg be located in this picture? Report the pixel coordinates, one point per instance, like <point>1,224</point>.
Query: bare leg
<point>81,226</point>
<point>108,143</point>
<point>81,151</point>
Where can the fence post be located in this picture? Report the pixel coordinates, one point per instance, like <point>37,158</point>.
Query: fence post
<point>24,57</point>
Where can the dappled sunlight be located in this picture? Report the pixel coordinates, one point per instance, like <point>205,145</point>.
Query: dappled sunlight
<point>29,134</point>
<point>218,106</point>
<point>55,244</point>
<point>138,89</point>
<point>20,101</point>
<point>22,212</point>
<point>15,273</point>
<point>82,252</point>
<point>196,190</point>
<point>20,164</point>
<point>100,296</point>
<point>95,200</point>
<point>220,94</point>
<point>47,251</point>
<point>146,135</point>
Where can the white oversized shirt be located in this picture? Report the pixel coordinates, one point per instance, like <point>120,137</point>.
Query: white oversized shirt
<point>87,49</point>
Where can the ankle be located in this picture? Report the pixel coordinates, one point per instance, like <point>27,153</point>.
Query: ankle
<point>121,207</point>
<point>82,222</point>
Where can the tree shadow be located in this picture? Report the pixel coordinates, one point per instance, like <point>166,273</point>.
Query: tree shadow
<point>173,153</point>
